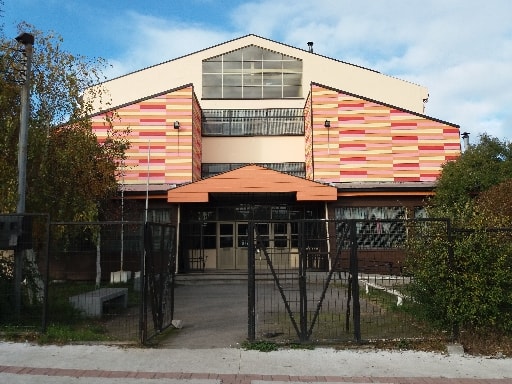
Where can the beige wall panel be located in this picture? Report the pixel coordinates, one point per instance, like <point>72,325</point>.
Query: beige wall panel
<point>279,149</point>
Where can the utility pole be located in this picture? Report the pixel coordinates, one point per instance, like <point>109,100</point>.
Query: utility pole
<point>28,41</point>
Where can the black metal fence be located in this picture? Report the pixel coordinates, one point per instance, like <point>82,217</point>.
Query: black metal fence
<point>112,280</point>
<point>159,279</point>
<point>318,280</point>
<point>335,280</point>
<point>24,241</point>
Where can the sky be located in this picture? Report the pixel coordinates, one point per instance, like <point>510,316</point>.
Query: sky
<point>461,50</point>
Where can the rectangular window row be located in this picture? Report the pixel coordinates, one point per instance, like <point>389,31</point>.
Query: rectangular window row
<point>253,122</point>
<point>295,169</point>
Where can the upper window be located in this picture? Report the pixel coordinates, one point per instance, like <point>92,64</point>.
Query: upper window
<point>252,73</point>
<point>253,122</point>
<point>212,169</point>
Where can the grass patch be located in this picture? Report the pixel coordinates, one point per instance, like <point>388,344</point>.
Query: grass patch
<point>57,334</point>
<point>380,318</point>
<point>308,346</point>
<point>262,346</point>
<point>66,324</point>
<point>62,334</point>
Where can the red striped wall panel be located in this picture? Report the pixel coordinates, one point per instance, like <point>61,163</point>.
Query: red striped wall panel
<point>152,135</point>
<point>368,141</point>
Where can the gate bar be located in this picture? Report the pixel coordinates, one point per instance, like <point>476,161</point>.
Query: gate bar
<point>354,271</point>
<point>251,286</point>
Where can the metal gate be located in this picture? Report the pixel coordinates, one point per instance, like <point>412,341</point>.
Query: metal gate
<point>159,265</point>
<point>344,280</point>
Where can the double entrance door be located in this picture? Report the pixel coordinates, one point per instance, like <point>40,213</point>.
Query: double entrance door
<point>232,245</point>
<point>233,242</point>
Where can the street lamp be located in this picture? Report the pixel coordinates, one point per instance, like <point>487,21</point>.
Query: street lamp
<point>28,41</point>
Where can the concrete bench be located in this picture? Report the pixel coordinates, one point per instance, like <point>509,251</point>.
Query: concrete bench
<point>91,303</point>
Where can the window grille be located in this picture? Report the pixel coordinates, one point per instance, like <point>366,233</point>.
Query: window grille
<point>294,169</point>
<point>253,122</point>
<point>377,227</point>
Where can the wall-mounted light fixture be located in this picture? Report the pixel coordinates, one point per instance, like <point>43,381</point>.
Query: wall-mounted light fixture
<point>327,124</point>
<point>176,124</point>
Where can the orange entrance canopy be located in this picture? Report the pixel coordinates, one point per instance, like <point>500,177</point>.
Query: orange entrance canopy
<point>252,179</point>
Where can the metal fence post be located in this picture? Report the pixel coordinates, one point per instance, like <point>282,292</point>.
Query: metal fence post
<point>451,261</point>
<point>303,291</point>
<point>251,286</point>
<point>143,285</point>
<point>354,272</point>
<point>44,323</point>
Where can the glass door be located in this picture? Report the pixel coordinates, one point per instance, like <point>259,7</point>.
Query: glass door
<point>226,249</point>
<point>263,233</point>
<point>242,243</point>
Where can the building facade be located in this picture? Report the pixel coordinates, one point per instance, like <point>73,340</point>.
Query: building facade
<point>253,129</point>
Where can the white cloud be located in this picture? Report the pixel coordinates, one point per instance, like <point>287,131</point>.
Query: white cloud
<point>460,50</point>
<point>151,40</point>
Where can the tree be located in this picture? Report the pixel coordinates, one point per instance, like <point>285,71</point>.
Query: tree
<point>68,171</point>
<point>463,273</point>
<point>494,206</point>
<point>481,166</point>
<point>9,128</point>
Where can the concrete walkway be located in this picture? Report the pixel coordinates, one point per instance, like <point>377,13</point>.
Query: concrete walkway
<point>212,316</point>
<point>26,363</point>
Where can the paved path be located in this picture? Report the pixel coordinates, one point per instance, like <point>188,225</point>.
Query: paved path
<point>25,363</point>
<point>212,315</point>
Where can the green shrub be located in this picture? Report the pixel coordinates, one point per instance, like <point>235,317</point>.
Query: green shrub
<point>463,282</point>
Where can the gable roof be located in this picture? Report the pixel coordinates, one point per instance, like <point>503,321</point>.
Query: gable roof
<point>252,179</point>
<point>186,69</point>
<point>240,39</point>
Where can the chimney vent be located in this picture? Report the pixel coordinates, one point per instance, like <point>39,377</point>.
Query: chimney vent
<point>465,139</point>
<point>310,45</point>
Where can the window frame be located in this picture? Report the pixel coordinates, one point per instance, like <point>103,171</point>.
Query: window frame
<point>241,74</point>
